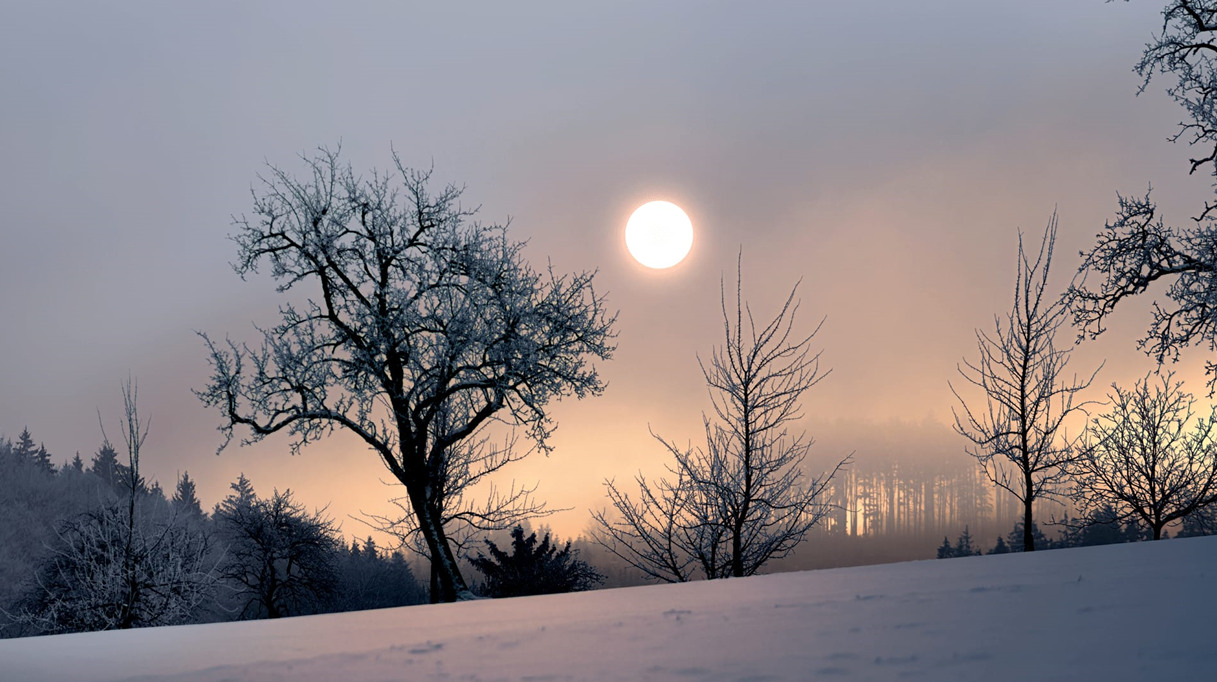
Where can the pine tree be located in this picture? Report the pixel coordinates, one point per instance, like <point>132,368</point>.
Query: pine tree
<point>105,465</point>
<point>533,568</point>
<point>185,500</point>
<point>42,460</point>
<point>76,464</point>
<point>945,550</point>
<point>963,546</point>
<point>1136,532</point>
<point>1015,538</point>
<point>370,580</point>
<point>242,496</point>
<point>24,451</point>
<point>1001,547</point>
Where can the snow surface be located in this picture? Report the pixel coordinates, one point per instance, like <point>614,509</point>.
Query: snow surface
<point>1142,611</point>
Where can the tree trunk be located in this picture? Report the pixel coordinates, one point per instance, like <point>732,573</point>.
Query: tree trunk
<point>737,560</point>
<point>447,585</point>
<point>1028,538</point>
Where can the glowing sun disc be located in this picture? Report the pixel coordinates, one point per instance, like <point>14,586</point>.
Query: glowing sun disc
<point>659,234</point>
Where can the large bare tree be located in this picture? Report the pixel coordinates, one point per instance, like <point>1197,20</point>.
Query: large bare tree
<point>1018,432</point>
<point>1138,247</point>
<point>1145,459</point>
<point>743,499</point>
<point>421,327</point>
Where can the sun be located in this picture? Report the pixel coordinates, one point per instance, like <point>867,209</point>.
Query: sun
<point>659,234</point>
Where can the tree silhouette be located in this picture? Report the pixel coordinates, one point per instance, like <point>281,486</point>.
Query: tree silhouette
<point>185,501</point>
<point>743,499</point>
<point>1146,460</point>
<point>422,329</point>
<point>1138,248</point>
<point>1017,434</point>
<point>533,568</point>
<point>280,560</point>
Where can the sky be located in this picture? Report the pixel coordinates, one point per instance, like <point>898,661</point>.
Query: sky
<point>884,155</point>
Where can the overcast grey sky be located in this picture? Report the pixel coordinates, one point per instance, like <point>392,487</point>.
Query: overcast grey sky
<point>885,152</point>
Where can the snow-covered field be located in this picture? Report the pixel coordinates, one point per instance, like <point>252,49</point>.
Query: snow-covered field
<point>1144,611</point>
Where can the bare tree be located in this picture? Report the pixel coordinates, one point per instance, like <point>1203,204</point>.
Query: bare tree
<point>280,560</point>
<point>424,327</point>
<point>1142,459</point>
<point>661,534</point>
<point>118,566</point>
<point>742,500</point>
<point>1138,248</point>
<point>1018,436</point>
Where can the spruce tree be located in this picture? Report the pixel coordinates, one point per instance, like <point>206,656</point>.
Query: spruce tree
<point>533,568</point>
<point>185,499</point>
<point>242,496</point>
<point>24,451</point>
<point>1016,536</point>
<point>42,460</point>
<point>1001,547</point>
<point>963,545</point>
<point>945,550</point>
<point>105,465</point>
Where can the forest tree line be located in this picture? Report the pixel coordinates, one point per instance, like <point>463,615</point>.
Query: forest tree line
<point>92,545</point>
<point>74,558</point>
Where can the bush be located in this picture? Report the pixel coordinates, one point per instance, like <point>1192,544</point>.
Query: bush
<point>533,568</point>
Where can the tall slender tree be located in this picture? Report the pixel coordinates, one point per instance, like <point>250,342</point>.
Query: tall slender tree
<point>744,499</point>
<point>1017,433</point>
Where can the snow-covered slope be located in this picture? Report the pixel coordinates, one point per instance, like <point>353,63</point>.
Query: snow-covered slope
<point>1145,611</point>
